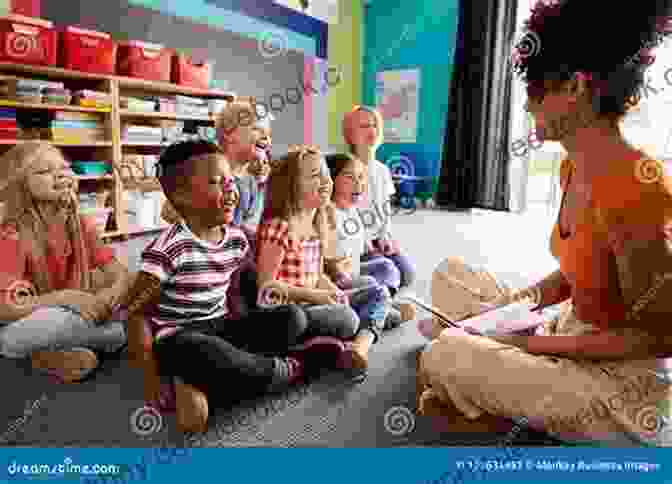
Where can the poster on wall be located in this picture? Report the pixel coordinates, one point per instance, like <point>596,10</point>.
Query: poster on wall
<point>397,100</point>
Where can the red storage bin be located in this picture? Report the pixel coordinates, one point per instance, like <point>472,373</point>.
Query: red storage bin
<point>144,60</point>
<point>187,72</point>
<point>88,51</point>
<point>27,40</point>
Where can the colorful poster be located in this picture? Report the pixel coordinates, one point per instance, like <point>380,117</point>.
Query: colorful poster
<point>397,99</point>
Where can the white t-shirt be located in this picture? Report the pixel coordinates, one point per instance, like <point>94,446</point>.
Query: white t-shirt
<point>378,219</point>
<point>350,237</point>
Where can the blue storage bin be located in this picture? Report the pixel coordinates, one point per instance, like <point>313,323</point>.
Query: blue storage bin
<point>91,167</point>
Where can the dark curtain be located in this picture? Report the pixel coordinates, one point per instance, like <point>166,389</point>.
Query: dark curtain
<point>475,162</point>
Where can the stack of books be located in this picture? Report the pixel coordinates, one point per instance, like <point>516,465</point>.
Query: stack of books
<point>147,135</point>
<point>192,106</point>
<point>8,126</point>
<point>76,128</point>
<point>146,105</point>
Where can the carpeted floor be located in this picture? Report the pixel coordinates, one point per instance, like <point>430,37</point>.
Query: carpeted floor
<point>332,412</point>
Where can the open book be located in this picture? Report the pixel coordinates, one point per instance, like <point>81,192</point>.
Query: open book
<point>512,318</point>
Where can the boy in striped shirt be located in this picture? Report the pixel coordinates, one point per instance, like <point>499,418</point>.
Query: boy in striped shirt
<point>182,290</point>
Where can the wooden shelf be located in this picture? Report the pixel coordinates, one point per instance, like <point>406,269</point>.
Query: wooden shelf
<point>55,143</point>
<point>149,145</point>
<point>168,88</point>
<point>51,107</point>
<point>124,82</point>
<point>94,177</point>
<point>169,116</point>
<point>53,72</point>
<point>133,230</point>
<point>115,86</point>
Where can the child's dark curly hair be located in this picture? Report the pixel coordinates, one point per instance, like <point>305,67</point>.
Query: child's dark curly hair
<point>607,39</point>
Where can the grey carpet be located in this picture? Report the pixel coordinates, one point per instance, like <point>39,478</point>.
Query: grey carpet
<point>332,412</point>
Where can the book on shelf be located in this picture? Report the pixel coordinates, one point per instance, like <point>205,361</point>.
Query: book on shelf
<point>72,116</point>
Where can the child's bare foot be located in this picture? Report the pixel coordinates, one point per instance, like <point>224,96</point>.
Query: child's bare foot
<point>68,366</point>
<point>192,408</point>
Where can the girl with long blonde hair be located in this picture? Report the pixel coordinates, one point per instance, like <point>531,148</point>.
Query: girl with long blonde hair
<point>60,284</point>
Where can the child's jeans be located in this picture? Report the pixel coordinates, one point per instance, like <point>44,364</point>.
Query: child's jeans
<point>58,328</point>
<point>369,299</point>
<point>230,359</point>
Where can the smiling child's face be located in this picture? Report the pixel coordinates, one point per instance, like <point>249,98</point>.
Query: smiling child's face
<point>213,195</point>
<point>350,184</point>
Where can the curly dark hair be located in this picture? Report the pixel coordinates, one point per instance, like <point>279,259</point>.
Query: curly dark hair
<point>610,40</point>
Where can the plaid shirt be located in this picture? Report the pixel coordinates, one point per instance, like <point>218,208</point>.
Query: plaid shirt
<point>300,266</point>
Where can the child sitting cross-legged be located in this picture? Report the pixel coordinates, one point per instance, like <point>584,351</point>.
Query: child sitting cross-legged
<point>182,291</point>
<point>291,245</point>
<point>367,282</point>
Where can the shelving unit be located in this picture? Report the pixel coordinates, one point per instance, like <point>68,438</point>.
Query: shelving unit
<point>113,148</point>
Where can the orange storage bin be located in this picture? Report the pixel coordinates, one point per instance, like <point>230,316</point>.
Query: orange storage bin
<point>88,51</point>
<point>27,40</point>
<point>144,60</point>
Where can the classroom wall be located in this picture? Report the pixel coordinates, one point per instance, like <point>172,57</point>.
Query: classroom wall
<point>345,49</point>
<point>231,40</point>
<point>408,35</point>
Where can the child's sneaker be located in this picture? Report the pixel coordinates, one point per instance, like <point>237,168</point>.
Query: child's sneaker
<point>68,366</point>
<point>318,353</point>
<point>192,408</point>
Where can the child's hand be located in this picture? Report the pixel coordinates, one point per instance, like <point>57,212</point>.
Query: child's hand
<point>389,247</point>
<point>342,265</point>
<point>326,297</point>
<point>371,249</point>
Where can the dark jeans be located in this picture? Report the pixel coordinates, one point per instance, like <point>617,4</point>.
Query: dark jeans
<point>334,320</point>
<point>232,360</point>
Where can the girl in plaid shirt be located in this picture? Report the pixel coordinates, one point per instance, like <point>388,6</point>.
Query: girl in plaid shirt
<point>291,245</point>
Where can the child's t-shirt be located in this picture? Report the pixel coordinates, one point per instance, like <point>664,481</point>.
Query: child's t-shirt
<point>350,237</point>
<point>380,189</point>
<point>195,275</point>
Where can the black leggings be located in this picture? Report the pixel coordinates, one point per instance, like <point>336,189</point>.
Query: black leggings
<point>231,360</point>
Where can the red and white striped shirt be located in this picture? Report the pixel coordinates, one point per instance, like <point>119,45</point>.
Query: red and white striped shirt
<point>195,275</point>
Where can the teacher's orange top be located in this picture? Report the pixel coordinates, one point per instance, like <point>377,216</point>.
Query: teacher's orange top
<point>618,258</point>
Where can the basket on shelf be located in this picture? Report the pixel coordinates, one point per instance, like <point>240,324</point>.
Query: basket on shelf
<point>91,167</point>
